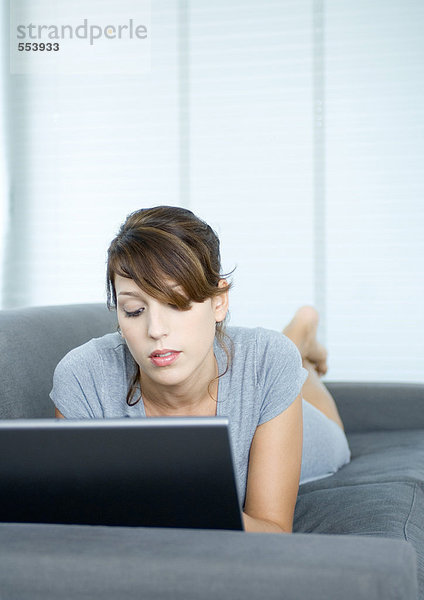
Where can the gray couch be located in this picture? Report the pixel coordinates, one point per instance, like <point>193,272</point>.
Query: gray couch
<point>378,500</point>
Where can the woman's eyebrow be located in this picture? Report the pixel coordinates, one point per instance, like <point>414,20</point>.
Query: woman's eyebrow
<point>135,294</point>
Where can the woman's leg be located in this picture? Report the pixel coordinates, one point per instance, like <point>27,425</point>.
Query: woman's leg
<point>302,330</point>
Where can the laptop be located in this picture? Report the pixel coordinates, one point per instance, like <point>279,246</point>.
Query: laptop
<point>155,472</point>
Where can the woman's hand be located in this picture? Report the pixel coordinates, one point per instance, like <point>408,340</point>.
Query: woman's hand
<point>274,472</point>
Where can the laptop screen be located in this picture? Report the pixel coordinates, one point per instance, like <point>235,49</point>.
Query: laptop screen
<point>155,472</point>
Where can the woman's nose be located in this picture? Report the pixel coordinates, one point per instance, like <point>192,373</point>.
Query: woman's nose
<point>157,324</point>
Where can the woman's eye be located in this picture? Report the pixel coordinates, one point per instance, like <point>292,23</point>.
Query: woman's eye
<point>134,313</point>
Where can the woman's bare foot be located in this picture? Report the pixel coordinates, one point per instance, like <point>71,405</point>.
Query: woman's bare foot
<point>302,330</point>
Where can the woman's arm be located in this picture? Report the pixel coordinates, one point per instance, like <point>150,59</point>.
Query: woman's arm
<point>274,472</point>
<point>58,414</point>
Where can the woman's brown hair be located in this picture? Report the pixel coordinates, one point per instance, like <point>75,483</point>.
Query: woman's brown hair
<point>163,246</point>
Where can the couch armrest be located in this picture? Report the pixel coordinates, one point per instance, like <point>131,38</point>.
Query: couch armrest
<point>70,561</point>
<point>377,406</point>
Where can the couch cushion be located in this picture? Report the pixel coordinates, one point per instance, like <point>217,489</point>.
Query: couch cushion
<point>54,562</point>
<point>379,456</point>
<point>363,509</point>
<point>379,493</point>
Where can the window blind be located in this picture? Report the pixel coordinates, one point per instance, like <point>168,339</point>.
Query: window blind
<point>251,149</point>
<point>294,128</point>
<point>375,188</point>
<point>85,151</point>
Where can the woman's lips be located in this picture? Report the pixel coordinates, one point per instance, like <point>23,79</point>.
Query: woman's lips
<point>163,358</point>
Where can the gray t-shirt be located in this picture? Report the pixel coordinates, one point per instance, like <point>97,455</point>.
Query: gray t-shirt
<point>264,378</point>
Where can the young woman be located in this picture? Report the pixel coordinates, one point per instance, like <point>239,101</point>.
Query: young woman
<point>172,356</point>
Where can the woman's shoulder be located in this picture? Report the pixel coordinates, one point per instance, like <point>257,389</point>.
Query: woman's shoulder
<point>109,348</point>
<point>91,380</point>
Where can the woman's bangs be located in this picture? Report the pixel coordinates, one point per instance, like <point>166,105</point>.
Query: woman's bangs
<point>163,266</point>
<point>156,279</point>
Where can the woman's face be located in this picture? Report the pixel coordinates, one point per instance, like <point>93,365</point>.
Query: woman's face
<point>171,346</point>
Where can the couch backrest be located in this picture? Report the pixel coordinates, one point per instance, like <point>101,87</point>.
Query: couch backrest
<point>32,342</point>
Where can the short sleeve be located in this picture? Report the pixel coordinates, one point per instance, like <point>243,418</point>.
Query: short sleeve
<point>280,374</point>
<point>74,390</point>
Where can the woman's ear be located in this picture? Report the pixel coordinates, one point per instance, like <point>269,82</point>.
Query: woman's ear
<point>220,302</point>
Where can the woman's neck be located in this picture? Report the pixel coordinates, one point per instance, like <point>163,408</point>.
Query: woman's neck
<point>197,397</point>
